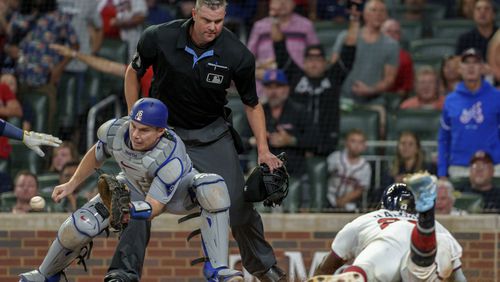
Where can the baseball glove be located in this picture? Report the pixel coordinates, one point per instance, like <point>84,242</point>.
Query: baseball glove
<point>269,187</point>
<point>116,197</point>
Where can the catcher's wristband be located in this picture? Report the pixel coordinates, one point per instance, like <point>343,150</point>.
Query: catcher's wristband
<point>140,210</point>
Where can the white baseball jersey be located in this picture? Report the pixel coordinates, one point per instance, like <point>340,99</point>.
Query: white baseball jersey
<point>157,172</point>
<point>379,242</point>
<point>344,176</point>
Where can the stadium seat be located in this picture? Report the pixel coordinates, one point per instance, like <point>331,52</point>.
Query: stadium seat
<point>364,119</point>
<point>451,28</point>
<point>410,30</point>
<point>48,180</point>
<point>114,50</point>
<point>425,123</point>
<point>433,11</point>
<point>23,158</point>
<point>102,85</point>
<point>470,202</point>
<point>327,32</point>
<point>291,204</point>
<point>4,165</point>
<point>7,201</point>
<point>432,48</point>
<point>420,61</point>
<point>392,101</point>
<point>318,176</point>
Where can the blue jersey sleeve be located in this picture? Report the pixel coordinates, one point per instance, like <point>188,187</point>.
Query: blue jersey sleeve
<point>10,131</point>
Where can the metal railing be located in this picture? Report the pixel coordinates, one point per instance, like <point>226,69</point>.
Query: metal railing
<point>91,118</point>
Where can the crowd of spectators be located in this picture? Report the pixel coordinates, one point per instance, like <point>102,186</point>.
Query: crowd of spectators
<point>306,86</point>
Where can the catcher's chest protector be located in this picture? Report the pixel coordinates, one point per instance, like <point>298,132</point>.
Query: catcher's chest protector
<point>139,168</point>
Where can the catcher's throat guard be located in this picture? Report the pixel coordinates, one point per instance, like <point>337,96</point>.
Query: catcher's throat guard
<point>268,187</point>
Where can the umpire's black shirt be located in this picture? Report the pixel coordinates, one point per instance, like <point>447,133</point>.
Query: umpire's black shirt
<point>192,81</point>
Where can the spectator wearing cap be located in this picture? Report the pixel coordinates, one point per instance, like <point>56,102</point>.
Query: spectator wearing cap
<point>316,86</point>
<point>481,181</point>
<point>470,119</point>
<point>481,34</point>
<point>288,123</point>
<point>445,199</point>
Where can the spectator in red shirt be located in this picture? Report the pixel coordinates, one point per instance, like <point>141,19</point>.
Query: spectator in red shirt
<point>403,83</point>
<point>9,107</point>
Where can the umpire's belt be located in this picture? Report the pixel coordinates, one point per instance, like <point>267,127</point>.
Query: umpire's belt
<point>205,135</point>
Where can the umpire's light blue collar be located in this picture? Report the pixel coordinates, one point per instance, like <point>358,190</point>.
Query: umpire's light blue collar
<point>182,40</point>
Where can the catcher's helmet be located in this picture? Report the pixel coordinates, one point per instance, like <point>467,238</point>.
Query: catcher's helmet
<point>398,197</point>
<point>150,111</point>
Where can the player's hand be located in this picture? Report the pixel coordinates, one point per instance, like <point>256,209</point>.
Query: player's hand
<point>62,50</point>
<point>61,191</point>
<point>361,89</point>
<point>280,138</point>
<point>34,140</point>
<point>270,160</point>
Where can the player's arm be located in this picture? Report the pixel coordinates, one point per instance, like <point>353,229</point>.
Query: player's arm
<point>86,168</point>
<point>31,139</point>
<point>144,57</point>
<point>352,196</point>
<point>98,63</point>
<point>132,86</point>
<point>148,209</point>
<point>457,276</point>
<point>342,250</point>
<point>256,119</point>
<point>329,265</point>
<point>11,109</point>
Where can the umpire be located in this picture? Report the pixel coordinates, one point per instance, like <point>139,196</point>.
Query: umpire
<point>194,62</point>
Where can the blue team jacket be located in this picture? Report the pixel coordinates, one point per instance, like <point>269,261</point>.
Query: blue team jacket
<point>469,122</point>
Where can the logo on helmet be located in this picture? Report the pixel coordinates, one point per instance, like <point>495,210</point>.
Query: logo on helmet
<point>138,116</point>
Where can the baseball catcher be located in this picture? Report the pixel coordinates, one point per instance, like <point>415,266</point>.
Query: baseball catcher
<point>156,171</point>
<point>269,187</point>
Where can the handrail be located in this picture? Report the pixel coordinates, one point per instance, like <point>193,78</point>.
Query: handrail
<point>93,114</point>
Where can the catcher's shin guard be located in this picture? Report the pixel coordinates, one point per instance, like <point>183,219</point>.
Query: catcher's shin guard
<point>73,238</point>
<point>213,198</point>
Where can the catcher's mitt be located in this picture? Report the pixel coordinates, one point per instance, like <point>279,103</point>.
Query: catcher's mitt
<point>116,197</point>
<point>269,187</point>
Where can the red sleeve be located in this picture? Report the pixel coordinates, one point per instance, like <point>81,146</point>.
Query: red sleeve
<point>406,71</point>
<point>146,82</point>
<point>5,93</point>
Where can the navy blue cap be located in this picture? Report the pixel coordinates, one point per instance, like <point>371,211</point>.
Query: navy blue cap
<point>275,76</point>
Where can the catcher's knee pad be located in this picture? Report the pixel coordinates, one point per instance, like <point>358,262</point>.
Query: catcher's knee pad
<point>84,224</point>
<point>74,235</point>
<point>211,192</point>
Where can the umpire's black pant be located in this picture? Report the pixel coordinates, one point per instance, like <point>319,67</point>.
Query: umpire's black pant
<point>212,150</point>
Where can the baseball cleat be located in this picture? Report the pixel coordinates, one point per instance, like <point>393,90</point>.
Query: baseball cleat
<point>36,276</point>
<point>221,274</point>
<point>423,187</point>
<point>344,277</point>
